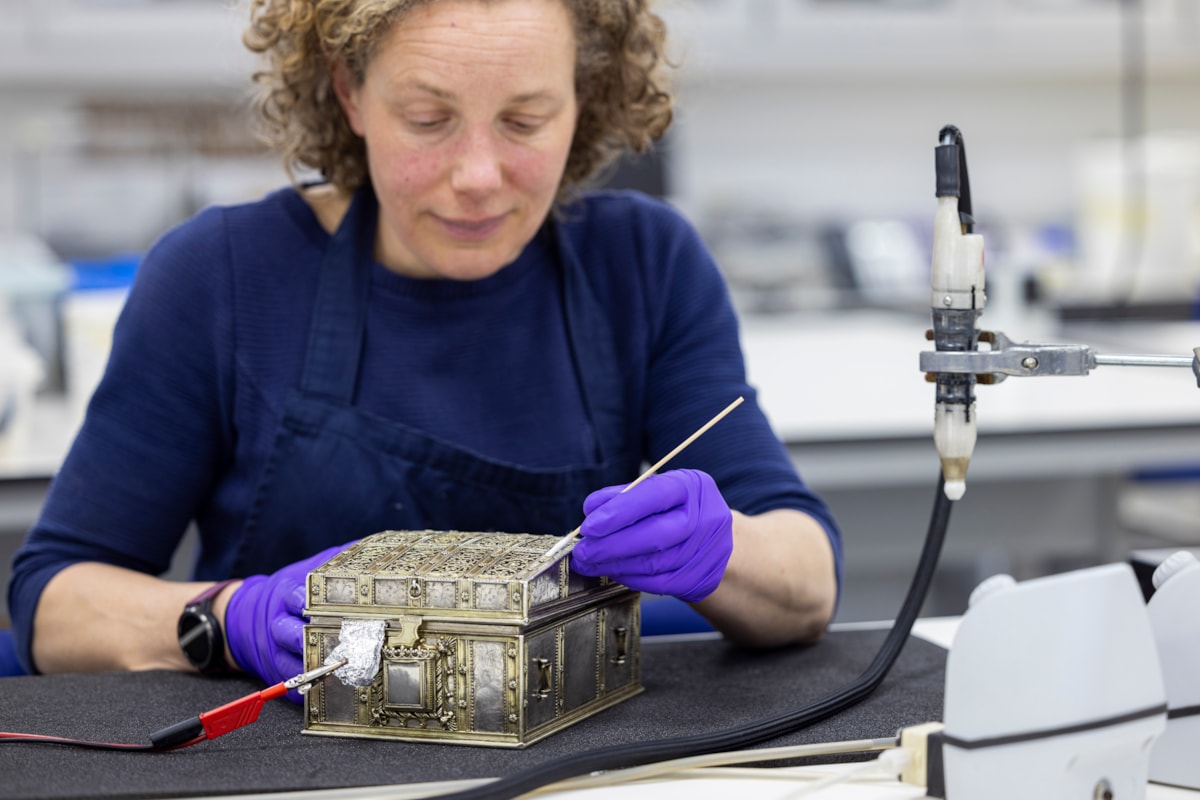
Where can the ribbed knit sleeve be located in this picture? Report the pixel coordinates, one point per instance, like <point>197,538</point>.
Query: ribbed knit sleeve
<point>154,431</point>
<point>662,283</point>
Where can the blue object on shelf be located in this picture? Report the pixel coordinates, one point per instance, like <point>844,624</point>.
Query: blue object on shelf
<point>1179,472</point>
<point>115,272</point>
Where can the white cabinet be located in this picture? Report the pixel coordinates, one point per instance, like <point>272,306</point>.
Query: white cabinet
<point>194,45</point>
<point>106,48</point>
<point>970,39</point>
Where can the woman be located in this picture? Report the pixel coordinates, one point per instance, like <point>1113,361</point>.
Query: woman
<point>446,333</point>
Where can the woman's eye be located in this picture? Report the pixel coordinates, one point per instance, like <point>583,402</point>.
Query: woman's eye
<point>426,123</point>
<point>523,124</point>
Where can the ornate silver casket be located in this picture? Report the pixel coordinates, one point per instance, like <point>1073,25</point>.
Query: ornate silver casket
<point>485,641</point>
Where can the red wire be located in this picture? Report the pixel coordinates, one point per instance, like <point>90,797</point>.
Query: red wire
<point>216,722</point>
<point>33,737</point>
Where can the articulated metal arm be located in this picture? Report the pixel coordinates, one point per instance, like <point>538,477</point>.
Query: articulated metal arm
<point>1029,360</point>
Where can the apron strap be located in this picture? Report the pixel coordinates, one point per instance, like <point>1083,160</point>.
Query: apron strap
<point>592,344</point>
<point>335,339</point>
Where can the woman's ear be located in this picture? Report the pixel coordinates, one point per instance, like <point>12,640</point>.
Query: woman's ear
<point>346,87</point>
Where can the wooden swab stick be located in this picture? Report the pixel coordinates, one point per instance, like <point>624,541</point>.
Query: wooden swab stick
<point>562,544</point>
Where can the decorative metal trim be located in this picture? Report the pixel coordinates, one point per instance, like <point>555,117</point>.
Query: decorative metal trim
<point>439,663</point>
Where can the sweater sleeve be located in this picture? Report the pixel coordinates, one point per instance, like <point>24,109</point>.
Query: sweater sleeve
<point>155,428</point>
<point>696,367</point>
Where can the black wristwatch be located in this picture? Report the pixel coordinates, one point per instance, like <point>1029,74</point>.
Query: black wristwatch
<point>200,634</point>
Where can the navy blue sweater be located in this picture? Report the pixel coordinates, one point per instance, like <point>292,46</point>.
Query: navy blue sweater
<point>213,337</point>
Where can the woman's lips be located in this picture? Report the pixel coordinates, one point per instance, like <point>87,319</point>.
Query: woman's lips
<point>472,230</point>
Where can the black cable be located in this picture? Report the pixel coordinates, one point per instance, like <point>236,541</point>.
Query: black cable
<point>639,753</point>
<point>950,169</point>
<point>22,738</point>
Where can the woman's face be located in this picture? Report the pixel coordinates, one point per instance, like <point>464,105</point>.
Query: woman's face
<point>468,110</point>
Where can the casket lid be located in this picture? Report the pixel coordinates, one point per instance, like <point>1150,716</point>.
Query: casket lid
<point>450,573</point>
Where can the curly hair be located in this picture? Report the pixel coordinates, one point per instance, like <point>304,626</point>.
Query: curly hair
<point>620,80</point>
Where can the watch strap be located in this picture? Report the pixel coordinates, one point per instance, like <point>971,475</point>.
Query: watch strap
<point>211,592</point>
<point>200,609</point>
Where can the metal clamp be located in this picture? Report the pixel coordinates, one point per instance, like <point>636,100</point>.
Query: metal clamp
<point>1006,358</point>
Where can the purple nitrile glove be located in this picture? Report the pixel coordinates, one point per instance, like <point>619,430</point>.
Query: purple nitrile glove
<point>672,534</point>
<point>263,623</point>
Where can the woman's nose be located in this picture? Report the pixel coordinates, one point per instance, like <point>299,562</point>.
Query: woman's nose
<point>477,167</point>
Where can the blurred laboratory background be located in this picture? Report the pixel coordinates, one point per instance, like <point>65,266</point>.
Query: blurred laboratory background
<point>803,152</point>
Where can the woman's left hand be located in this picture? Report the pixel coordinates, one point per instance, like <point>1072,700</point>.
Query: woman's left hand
<point>672,534</point>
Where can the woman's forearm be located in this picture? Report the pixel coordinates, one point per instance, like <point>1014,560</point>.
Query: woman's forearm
<point>780,586</point>
<point>94,617</point>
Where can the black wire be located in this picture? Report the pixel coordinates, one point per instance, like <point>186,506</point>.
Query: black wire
<point>958,178</point>
<point>639,753</point>
<point>82,743</point>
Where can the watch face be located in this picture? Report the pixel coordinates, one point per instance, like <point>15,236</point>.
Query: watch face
<point>196,633</point>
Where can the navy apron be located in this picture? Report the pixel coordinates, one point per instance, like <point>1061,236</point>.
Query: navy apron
<point>335,474</point>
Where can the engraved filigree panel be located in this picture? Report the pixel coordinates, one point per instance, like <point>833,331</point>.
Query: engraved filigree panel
<point>391,592</point>
<point>546,587</point>
<point>459,563</point>
<point>441,594</point>
<point>488,681</point>
<point>491,596</point>
<point>362,558</point>
<point>412,562</point>
<point>401,554</point>
<point>511,565</point>
<point>341,590</point>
